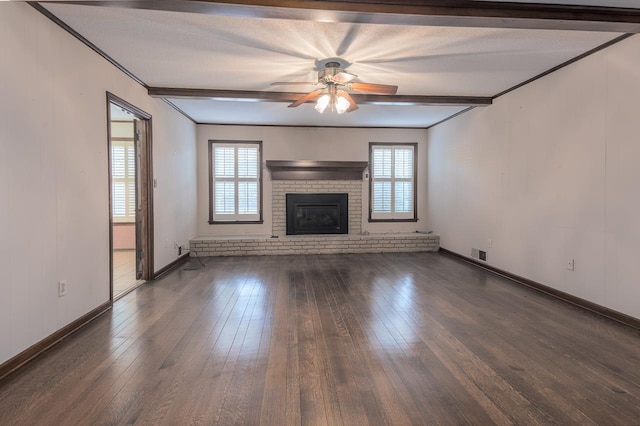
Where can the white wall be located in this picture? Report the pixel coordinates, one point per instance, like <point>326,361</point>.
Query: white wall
<point>306,143</point>
<point>174,169</point>
<point>550,172</point>
<point>124,236</point>
<point>54,218</point>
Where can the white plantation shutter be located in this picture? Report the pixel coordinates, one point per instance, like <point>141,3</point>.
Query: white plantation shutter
<point>225,198</point>
<point>224,162</point>
<point>248,162</point>
<point>119,201</point>
<point>247,197</point>
<point>392,181</point>
<point>123,181</point>
<point>235,181</point>
<point>403,201</point>
<point>381,196</point>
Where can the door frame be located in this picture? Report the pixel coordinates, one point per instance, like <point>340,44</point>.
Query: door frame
<point>146,175</point>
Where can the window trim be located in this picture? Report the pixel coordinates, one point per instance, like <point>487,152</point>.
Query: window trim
<point>414,145</point>
<point>260,184</point>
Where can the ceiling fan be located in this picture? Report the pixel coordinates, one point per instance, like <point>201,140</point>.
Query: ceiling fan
<point>335,91</point>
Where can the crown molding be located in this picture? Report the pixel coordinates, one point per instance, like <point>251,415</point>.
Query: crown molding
<point>451,13</point>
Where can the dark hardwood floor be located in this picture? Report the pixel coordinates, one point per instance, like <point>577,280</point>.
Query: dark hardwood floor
<point>417,338</point>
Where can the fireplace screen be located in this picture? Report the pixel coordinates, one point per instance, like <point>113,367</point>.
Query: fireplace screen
<point>317,214</point>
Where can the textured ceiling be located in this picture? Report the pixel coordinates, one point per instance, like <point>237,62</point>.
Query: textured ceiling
<point>171,49</point>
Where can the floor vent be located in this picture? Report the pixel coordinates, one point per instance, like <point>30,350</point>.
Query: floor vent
<point>479,254</point>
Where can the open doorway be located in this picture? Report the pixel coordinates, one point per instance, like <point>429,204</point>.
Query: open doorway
<point>129,195</point>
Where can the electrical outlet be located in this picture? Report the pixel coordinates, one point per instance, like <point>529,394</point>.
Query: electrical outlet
<point>62,288</point>
<point>490,242</point>
<point>474,253</point>
<point>570,264</point>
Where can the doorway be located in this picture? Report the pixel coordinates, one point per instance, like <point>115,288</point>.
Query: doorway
<point>130,196</point>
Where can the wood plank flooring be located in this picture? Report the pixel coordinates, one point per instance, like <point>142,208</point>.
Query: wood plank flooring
<point>401,339</point>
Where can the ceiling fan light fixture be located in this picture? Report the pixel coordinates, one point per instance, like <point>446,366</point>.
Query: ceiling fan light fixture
<point>342,105</point>
<point>323,102</point>
<point>335,94</point>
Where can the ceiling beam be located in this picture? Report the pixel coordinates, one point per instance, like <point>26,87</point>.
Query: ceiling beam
<point>454,13</point>
<point>263,96</point>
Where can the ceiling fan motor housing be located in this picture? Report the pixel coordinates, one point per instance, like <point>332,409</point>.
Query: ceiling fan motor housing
<point>331,69</point>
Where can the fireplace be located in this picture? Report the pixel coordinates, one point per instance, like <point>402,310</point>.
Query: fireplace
<point>317,214</point>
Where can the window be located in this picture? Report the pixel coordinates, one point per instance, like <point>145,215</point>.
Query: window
<point>392,185</point>
<point>123,181</point>
<point>235,189</point>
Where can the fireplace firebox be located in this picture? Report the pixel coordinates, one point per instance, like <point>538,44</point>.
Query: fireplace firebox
<point>317,214</point>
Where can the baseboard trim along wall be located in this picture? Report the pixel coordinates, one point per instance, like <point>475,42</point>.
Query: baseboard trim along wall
<point>30,353</point>
<point>13,364</point>
<point>569,298</point>
<point>160,272</point>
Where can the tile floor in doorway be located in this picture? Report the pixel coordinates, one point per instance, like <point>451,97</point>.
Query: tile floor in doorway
<point>124,271</point>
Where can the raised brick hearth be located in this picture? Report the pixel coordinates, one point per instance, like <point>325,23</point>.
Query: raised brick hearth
<point>354,242</point>
<point>316,244</point>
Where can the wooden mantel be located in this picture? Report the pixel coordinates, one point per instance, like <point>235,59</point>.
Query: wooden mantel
<point>316,170</point>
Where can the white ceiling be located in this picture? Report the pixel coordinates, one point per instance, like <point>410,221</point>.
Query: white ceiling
<point>188,50</point>
<point>119,114</point>
<point>268,113</point>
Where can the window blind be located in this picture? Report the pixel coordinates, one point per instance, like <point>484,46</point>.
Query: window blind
<point>123,181</point>
<point>235,182</point>
<point>392,182</point>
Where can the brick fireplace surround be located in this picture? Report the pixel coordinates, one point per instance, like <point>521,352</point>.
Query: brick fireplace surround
<point>281,244</point>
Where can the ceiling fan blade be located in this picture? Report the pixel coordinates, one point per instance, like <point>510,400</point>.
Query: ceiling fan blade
<point>352,104</point>
<point>383,89</point>
<point>292,83</point>
<point>306,97</point>
<point>343,77</point>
